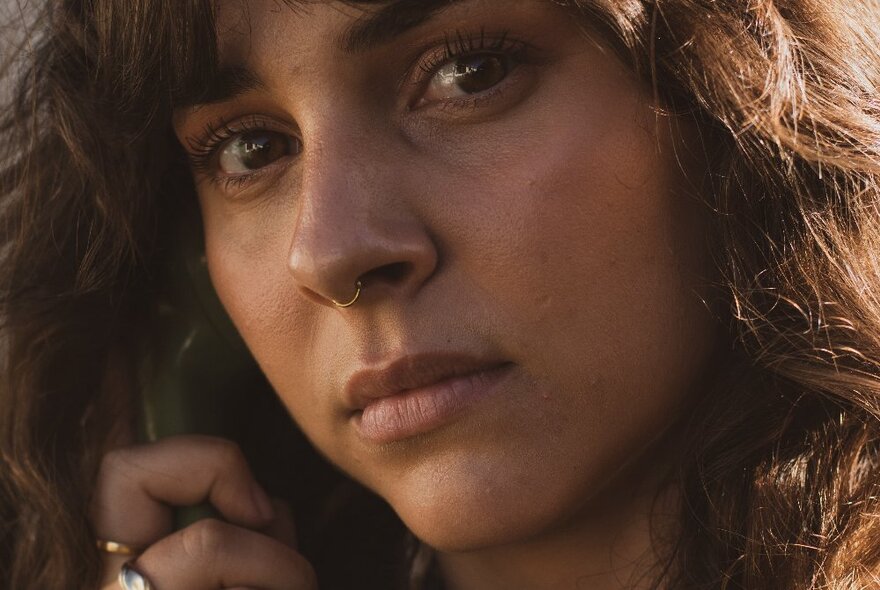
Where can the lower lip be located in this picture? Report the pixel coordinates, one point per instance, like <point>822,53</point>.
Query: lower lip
<point>417,411</point>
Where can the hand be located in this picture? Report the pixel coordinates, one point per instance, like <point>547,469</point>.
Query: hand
<point>136,489</point>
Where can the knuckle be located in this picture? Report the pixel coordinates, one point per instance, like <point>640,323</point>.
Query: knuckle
<point>114,462</point>
<point>304,574</point>
<point>309,577</point>
<point>228,453</point>
<point>204,540</point>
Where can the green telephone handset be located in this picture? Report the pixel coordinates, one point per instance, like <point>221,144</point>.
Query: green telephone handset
<point>194,365</point>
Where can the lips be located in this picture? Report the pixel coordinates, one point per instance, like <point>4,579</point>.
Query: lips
<point>418,393</point>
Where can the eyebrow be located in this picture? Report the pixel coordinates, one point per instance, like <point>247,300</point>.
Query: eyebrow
<point>229,83</point>
<point>376,29</point>
<point>390,22</point>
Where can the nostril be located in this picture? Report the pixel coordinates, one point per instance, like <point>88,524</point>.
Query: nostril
<point>390,273</point>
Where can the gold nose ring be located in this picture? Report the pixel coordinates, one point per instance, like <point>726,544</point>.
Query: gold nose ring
<point>357,294</point>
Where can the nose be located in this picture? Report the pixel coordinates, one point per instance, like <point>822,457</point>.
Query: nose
<point>355,228</point>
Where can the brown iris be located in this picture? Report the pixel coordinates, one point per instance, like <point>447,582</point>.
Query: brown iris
<point>478,73</point>
<point>254,150</point>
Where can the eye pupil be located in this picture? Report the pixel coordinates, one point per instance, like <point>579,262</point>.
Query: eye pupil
<point>478,73</point>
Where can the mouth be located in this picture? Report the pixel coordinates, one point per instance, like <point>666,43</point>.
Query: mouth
<point>419,393</point>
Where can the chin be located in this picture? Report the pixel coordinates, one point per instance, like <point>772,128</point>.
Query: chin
<point>459,510</point>
<point>453,528</point>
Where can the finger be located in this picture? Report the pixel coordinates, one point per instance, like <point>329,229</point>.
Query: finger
<point>213,554</point>
<point>110,568</point>
<point>137,484</point>
<point>282,527</point>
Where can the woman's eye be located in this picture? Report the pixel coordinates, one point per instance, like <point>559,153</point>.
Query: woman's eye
<point>254,150</point>
<point>468,75</point>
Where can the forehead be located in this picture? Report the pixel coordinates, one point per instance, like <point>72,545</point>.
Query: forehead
<point>361,22</point>
<point>355,26</point>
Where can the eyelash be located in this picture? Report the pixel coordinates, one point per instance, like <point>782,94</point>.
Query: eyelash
<point>461,45</point>
<point>204,148</point>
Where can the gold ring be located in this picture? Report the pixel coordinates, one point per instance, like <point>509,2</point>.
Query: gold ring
<point>357,294</point>
<point>117,548</point>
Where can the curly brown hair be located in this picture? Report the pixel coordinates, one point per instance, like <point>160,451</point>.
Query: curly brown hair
<point>779,477</point>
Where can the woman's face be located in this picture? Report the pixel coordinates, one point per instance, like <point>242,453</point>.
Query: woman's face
<point>524,225</point>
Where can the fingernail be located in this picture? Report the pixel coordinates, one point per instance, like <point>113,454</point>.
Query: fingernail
<point>262,502</point>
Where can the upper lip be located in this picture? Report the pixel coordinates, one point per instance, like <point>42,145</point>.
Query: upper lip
<point>411,372</point>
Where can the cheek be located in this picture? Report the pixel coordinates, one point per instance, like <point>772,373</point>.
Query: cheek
<point>280,329</point>
<point>594,241</point>
<point>252,281</point>
<point>619,254</point>
<point>616,252</point>
<point>253,286</point>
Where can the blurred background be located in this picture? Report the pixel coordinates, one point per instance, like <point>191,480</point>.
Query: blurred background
<point>16,25</point>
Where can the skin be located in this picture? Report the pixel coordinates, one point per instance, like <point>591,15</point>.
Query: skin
<point>549,221</point>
